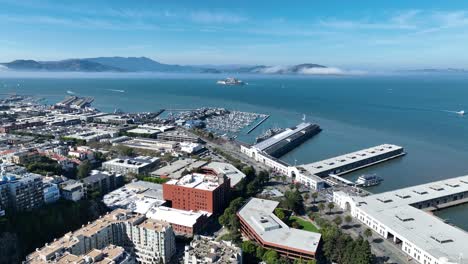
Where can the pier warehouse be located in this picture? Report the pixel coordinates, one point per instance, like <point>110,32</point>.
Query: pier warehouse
<point>269,150</point>
<point>311,174</point>
<point>401,216</point>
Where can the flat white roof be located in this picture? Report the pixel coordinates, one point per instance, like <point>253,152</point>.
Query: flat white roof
<point>258,214</point>
<point>137,162</point>
<point>135,196</point>
<point>277,138</point>
<point>197,181</point>
<point>143,131</point>
<point>175,216</point>
<point>227,169</point>
<point>393,209</point>
<point>175,169</point>
<point>335,162</point>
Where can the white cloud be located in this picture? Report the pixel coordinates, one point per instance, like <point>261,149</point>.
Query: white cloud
<point>216,17</point>
<point>328,71</point>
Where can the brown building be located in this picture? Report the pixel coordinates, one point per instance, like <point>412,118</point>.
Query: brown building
<point>207,191</point>
<point>260,224</point>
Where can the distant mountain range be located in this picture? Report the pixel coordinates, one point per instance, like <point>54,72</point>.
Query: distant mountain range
<point>143,64</point>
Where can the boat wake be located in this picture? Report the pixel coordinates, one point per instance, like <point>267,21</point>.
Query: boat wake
<point>117,91</point>
<point>461,112</point>
<point>70,92</point>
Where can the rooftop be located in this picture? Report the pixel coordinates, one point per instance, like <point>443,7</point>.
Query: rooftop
<point>353,157</point>
<point>258,215</point>
<point>175,169</point>
<point>136,196</point>
<point>227,169</point>
<point>281,136</point>
<point>394,209</point>
<point>197,181</point>
<point>137,162</point>
<point>218,251</point>
<point>175,216</point>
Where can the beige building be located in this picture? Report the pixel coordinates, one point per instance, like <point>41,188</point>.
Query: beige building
<point>150,241</point>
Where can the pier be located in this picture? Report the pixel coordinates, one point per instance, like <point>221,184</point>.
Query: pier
<point>258,124</point>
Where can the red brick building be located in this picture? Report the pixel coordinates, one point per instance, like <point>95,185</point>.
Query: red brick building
<point>205,191</point>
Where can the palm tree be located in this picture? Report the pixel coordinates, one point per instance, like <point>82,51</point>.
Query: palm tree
<point>368,233</point>
<point>314,195</point>
<point>330,206</point>
<point>348,219</point>
<point>338,221</point>
<point>321,207</point>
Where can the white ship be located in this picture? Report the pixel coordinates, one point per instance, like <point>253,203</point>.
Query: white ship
<point>368,180</point>
<point>230,81</point>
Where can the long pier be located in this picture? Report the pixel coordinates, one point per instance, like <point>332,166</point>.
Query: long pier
<point>258,124</point>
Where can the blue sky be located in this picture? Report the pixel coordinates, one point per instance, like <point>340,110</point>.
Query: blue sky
<point>353,34</point>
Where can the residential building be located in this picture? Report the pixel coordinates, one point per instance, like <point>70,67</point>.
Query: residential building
<point>184,223</point>
<point>51,192</point>
<point>260,224</point>
<point>109,255</point>
<point>138,165</point>
<point>151,241</point>
<point>102,182</point>
<point>198,192</point>
<point>206,250</point>
<point>21,192</point>
<point>72,190</point>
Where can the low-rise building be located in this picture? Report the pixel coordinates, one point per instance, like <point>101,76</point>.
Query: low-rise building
<point>179,136</point>
<point>51,192</point>
<point>138,165</point>
<point>259,223</point>
<point>403,216</point>
<point>233,173</point>
<point>190,147</point>
<point>206,250</point>
<point>72,191</point>
<point>176,169</point>
<point>185,223</point>
<point>102,182</point>
<point>138,196</point>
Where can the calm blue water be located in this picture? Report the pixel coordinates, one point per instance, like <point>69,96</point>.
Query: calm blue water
<point>354,112</point>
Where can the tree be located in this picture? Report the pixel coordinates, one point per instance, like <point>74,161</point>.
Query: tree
<point>330,206</point>
<point>368,233</point>
<point>83,169</point>
<point>314,196</point>
<point>249,247</point>
<point>321,207</point>
<point>293,201</point>
<point>338,221</point>
<point>259,252</point>
<point>280,214</point>
<point>270,257</point>
<point>125,151</point>
<point>348,219</point>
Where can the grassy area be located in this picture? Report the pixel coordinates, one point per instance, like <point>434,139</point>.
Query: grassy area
<point>306,225</point>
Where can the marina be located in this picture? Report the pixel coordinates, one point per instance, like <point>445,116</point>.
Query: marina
<point>258,124</point>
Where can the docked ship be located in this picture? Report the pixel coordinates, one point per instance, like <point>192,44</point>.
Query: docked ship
<point>230,81</point>
<point>368,180</point>
<point>268,134</point>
